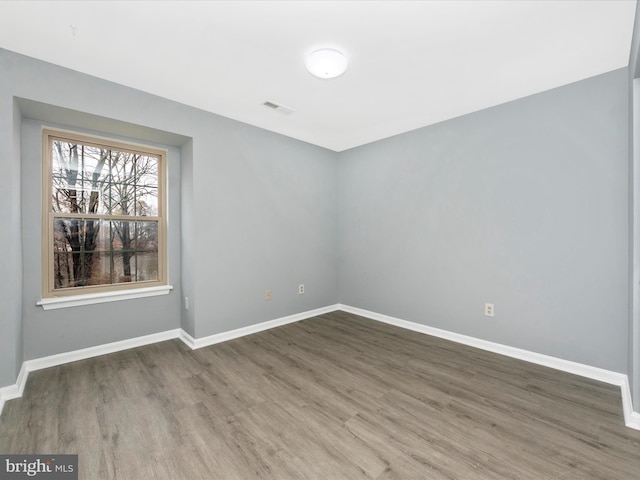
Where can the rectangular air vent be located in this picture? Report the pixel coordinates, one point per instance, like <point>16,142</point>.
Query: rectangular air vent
<point>280,108</point>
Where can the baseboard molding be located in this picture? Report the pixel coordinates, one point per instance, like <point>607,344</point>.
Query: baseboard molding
<point>195,343</point>
<point>84,353</point>
<point>15,391</point>
<point>634,421</point>
<point>631,418</point>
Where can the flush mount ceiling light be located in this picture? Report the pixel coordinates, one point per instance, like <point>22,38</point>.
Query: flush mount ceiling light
<point>326,63</point>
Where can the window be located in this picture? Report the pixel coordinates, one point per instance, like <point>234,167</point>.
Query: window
<point>104,221</point>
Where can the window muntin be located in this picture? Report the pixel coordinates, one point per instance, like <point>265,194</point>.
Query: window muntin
<point>104,222</point>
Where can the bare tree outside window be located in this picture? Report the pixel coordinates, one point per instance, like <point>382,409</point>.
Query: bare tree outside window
<point>104,216</point>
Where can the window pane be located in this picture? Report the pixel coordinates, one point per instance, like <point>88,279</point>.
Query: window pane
<point>111,199</point>
<point>87,179</point>
<point>63,273</point>
<point>123,245</point>
<point>147,266</point>
<point>79,173</point>
<point>147,171</point>
<point>147,201</point>
<point>130,263</point>
<point>122,184</point>
<point>56,158</point>
<point>148,236</point>
<point>74,199</point>
<point>119,264</point>
<point>121,198</point>
<point>93,162</point>
<point>147,250</point>
<point>60,233</point>
<point>103,238</point>
<point>123,167</point>
<point>93,199</point>
<point>101,269</point>
<point>76,241</point>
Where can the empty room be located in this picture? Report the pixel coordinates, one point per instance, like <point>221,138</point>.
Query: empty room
<point>320,240</point>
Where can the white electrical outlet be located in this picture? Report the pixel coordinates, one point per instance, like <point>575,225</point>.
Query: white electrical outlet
<point>301,289</point>
<point>267,295</point>
<point>489,310</point>
<point>186,303</point>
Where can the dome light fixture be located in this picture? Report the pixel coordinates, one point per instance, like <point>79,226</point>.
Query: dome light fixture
<point>326,63</point>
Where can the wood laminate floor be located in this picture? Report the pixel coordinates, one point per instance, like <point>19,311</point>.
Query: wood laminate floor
<point>333,397</point>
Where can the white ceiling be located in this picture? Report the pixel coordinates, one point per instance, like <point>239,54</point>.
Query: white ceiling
<point>412,63</point>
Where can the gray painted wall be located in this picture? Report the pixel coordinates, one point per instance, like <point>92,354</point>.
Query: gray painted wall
<point>524,205</point>
<point>10,239</point>
<point>634,215</point>
<point>187,239</point>
<point>274,202</point>
<point>259,213</point>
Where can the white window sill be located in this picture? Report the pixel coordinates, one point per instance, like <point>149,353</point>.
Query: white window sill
<point>102,297</point>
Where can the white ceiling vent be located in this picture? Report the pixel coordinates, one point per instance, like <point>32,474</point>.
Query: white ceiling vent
<point>280,108</point>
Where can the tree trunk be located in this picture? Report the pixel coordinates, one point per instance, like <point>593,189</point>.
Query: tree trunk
<point>82,238</point>
<point>126,250</point>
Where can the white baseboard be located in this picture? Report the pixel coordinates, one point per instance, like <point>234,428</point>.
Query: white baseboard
<point>84,353</point>
<point>187,339</point>
<point>631,418</point>
<point>259,327</point>
<point>15,391</point>
<point>634,421</point>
